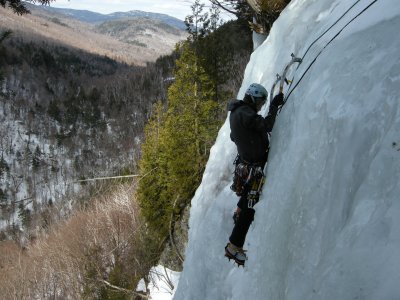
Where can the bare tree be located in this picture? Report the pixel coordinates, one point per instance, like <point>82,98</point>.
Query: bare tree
<point>259,13</point>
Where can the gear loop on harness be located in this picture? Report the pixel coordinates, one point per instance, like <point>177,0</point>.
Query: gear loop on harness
<point>248,180</point>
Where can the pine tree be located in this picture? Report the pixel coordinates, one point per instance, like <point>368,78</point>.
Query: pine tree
<point>36,158</point>
<point>177,142</point>
<point>25,215</point>
<point>190,124</point>
<point>3,52</point>
<point>3,196</point>
<point>27,155</point>
<point>54,111</point>
<point>197,23</point>
<point>218,47</point>
<point>152,183</point>
<point>3,167</point>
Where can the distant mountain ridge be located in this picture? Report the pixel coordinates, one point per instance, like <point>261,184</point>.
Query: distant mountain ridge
<point>134,37</point>
<point>136,31</point>
<point>94,17</point>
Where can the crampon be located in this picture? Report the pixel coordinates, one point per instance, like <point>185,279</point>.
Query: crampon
<point>235,253</point>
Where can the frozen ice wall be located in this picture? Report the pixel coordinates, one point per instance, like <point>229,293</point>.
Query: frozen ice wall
<point>328,225</point>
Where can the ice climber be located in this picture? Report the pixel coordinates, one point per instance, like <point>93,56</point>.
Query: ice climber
<point>249,131</point>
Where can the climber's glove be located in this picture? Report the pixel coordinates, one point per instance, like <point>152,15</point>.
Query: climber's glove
<point>278,100</point>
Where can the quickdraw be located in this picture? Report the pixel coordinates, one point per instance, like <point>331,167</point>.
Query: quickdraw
<point>256,185</point>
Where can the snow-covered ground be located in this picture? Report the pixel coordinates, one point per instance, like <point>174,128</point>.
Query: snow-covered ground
<point>162,285</point>
<point>22,184</point>
<point>327,226</point>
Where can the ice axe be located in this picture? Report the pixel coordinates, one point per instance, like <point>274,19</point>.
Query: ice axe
<point>285,70</point>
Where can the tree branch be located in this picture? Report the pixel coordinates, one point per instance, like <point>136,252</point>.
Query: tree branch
<point>216,2</point>
<point>124,290</point>
<point>171,236</point>
<point>19,7</point>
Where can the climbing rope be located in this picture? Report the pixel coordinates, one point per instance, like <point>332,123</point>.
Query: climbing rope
<point>330,27</point>
<point>333,38</point>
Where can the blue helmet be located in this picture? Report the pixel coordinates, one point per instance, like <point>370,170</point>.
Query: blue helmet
<point>257,93</point>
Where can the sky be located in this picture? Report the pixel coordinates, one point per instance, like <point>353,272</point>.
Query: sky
<point>176,8</point>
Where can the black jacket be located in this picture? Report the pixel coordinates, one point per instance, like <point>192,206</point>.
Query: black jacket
<point>249,130</point>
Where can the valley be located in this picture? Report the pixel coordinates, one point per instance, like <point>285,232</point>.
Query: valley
<point>136,39</point>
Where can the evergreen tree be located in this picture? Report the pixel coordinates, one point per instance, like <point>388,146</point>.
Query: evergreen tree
<point>25,215</point>
<point>213,54</point>
<point>152,183</point>
<point>218,47</point>
<point>3,166</point>
<point>3,196</point>
<point>54,111</point>
<point>177,142</point>
<point>3,52</point>
<point>198,22</point>
<point>191,122</point>
<point>36,158</point>
<point>27,155</point>
<point>221,52</point>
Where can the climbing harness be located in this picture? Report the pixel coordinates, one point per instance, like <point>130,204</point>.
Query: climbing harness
<point>255,185</point>
<point>248,179</point>
<point>327,44</point>
<point>240,177</point>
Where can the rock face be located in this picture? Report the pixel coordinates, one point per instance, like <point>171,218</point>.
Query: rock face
<point>175,249</point>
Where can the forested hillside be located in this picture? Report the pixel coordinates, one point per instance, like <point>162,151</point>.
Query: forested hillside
<point>179,136</point>
<point>66,115</point>
<point>125,38</point>
<point>69,115</point>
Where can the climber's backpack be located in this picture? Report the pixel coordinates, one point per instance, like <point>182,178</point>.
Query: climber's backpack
<point>248,178</point>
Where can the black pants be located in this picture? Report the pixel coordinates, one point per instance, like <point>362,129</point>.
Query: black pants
<point>242,225</point>
<point>246,215</point>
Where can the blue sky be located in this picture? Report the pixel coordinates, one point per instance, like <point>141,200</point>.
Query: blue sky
<point>176,8</point>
